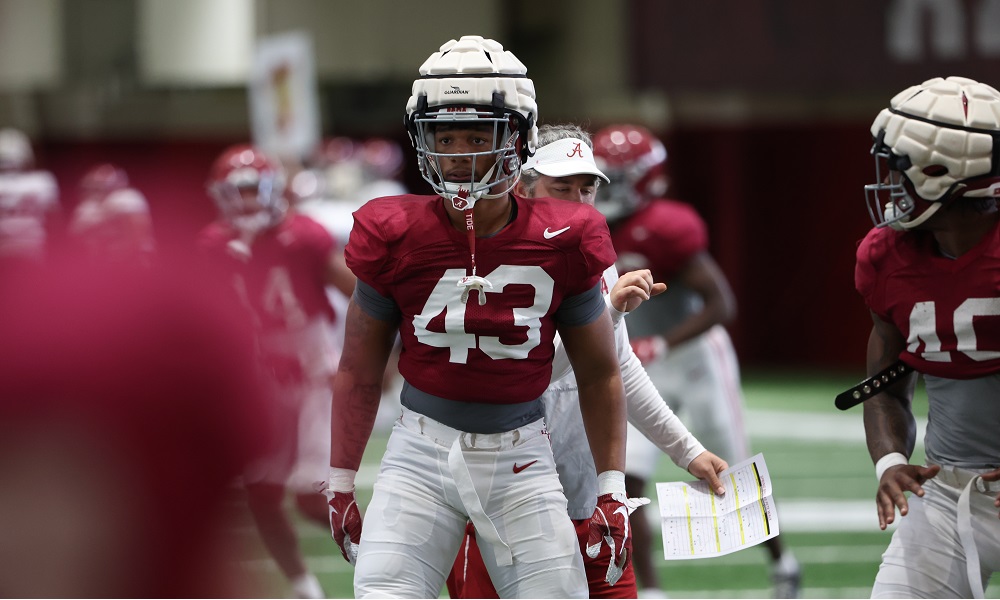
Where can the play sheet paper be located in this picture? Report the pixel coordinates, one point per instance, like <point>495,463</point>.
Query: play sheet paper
<point>699,524</point>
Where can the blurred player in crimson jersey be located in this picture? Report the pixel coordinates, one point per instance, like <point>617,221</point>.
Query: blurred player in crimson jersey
<point>476,281</point>
<point>680,336</point>
<point>29,202</point>
<point>281,263</point>
<point>928,272</point>
<point>112,220</point>
<point>128,403</point>
<point>563,168</point>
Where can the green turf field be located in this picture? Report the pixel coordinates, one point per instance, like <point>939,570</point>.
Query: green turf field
<point>823,484</point>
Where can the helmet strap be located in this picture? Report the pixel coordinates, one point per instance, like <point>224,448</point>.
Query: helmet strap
<point>472,281</point>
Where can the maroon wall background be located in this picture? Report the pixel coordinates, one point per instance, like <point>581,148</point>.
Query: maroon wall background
<point>785,209</point>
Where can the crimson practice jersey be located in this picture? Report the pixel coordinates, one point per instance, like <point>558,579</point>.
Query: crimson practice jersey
<point>406,248</point>
<point>284,280</point>
<point>662,236</point>
<point>949,310</point>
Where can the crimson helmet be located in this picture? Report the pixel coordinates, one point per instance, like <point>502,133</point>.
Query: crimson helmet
<point>248,188</point>
<point>936,141</point>
<point>103,179</point>
<point>473,81</point>
<point>635,161</point>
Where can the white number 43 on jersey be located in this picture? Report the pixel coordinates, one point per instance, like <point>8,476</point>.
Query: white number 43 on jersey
<point>447,298</point>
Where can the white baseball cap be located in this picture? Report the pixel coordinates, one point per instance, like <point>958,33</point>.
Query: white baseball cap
<point>561,158</point>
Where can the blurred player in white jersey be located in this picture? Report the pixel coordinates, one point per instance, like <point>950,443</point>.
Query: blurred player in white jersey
<point>344,175</point>
<point>929,273</point>
<point>281,264</point>
<point>476,282</point>
<point>680,336</point>
<point>563,168</point>
<point>29,200</point>
<point>112,220</point>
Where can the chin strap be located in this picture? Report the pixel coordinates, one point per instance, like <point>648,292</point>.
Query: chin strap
<point>463,198</point>
<point>907,225</point>
<point>472,281</point>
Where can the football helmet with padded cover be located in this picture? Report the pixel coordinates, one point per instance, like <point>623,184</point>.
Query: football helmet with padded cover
<point>635,161</point>
<point>473,80</point>
<point>937,141</point>
<point>15,150</point>
<point>248,188</point>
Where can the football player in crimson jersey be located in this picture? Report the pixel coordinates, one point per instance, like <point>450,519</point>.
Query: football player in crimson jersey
<point>281,264</point>
<point>563,168</point>
<point>680,337</point>
<point>476,281</point>
<point>930,274</point>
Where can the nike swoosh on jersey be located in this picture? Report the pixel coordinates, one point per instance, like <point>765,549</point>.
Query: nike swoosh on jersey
<point>551,234</point>
<point>518,469</point>
<point>593,550</point>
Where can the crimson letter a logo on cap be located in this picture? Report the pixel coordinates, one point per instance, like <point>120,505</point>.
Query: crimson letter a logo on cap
<point>576,151</point>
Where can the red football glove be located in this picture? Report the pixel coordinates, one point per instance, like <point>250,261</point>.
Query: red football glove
<point>648,349</point>
<point>345,523</point>
<point>609,525</point>
<point>345,518</point>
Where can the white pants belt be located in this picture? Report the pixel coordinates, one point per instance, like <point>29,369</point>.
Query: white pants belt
<point>467,491</point>
<point>972,482</point>
<point>455,440</point>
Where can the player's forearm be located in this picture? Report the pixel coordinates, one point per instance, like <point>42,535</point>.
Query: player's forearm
<point>355,405</point>
<point>653,418</point>
<point>604,418</point>
<point>889,423</point>
<point>357,390</point>
<point>889,426</point>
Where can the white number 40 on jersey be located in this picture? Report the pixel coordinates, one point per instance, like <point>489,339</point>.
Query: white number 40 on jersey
<point>923,327</point>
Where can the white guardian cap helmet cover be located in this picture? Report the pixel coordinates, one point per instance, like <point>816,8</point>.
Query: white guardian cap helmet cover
<point>474,79</point>
<point>938,141</point>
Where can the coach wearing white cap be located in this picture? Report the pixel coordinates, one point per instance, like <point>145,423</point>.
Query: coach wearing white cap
<point>563,168</point>
<point>567,164</point>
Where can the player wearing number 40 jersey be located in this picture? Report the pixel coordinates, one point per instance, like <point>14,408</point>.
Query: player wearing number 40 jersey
<point>477,282</point>
<point>930,274</point>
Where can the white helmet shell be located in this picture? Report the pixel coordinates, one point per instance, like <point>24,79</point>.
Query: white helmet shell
<point>946,123</point>
<point>479,67</point>
<point>474,78</point>
<point>940,138</point>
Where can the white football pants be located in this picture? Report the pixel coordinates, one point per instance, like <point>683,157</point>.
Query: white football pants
<point>433,479</point>
<point>927,555</point>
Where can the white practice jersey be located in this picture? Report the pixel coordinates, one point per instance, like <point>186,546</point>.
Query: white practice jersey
<point>646,411</point>
<point>26,201</point>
